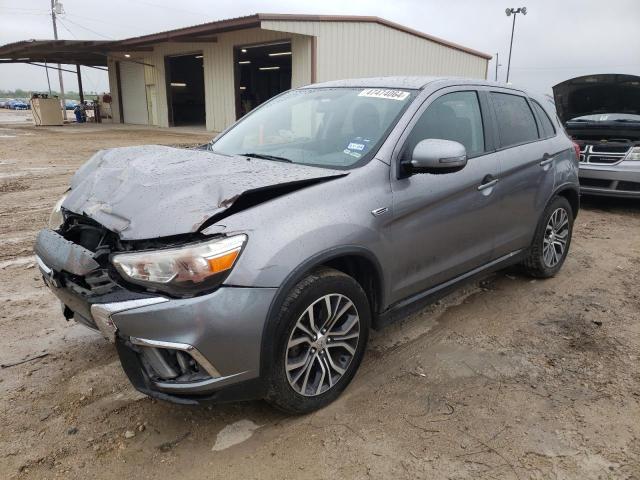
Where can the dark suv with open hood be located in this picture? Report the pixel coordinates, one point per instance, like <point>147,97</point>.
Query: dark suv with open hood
<point>255,268</point>
<point>602,115</point>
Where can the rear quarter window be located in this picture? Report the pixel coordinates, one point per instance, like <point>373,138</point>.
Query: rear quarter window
<point>545,121</point>
<point>516,123</point>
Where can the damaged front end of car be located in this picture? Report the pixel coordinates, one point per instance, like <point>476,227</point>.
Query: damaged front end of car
<point>140,257</point>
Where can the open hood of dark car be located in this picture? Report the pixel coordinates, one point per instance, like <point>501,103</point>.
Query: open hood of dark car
<point>155,191</point>
<point>593,94</point>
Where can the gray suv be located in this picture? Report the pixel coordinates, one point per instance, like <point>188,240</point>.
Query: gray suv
<point>256,266</point>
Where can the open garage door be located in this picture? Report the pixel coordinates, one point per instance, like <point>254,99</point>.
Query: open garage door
<point>133,93</point>
<point>185,89</point>
<point>261,72</point>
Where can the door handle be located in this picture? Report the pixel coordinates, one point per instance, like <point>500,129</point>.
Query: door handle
<point>546,159</point>
<point>487,182</point>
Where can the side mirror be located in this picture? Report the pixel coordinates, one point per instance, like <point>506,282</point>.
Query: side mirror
<point>436,156</point>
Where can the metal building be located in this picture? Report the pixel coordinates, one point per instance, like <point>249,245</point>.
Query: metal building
<point>211,74</point>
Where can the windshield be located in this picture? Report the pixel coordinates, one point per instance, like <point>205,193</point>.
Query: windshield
<point>607,117</point>
<point>325,127</point>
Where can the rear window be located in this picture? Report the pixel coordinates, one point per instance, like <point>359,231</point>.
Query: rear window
<point>545,121</point>
<point>516,123</point>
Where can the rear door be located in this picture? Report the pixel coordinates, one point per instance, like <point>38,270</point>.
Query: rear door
<point>443,225</point>
<point>525,169</point>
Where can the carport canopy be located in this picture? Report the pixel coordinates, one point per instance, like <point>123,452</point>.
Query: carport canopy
<point>91,53</point>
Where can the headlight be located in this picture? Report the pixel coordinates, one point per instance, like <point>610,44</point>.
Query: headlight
<point>56,219</point>
<point>183,270</point>
<point>633,155</point>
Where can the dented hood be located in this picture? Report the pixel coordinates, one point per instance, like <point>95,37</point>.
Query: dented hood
<point>155,191</point>
<point>593,94</point>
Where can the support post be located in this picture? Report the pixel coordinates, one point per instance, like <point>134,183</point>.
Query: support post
<point>80,83</point>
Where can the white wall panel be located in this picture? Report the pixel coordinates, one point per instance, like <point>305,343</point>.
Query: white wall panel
<point>359,49</point>
<point>134,95</point>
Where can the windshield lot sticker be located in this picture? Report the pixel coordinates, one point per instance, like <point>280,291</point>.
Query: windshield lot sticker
<point>357,147</point>
<point>384,93</point>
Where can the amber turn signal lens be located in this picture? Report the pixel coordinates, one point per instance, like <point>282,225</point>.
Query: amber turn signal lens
<point>223,262</point>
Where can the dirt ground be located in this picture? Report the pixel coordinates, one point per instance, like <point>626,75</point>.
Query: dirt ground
<point>509,378</point>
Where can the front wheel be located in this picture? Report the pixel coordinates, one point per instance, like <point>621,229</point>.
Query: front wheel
<point>321,336</point>
<point>551,241</point>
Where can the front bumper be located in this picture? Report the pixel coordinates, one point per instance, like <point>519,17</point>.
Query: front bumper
<point>221,330</point>
<point>620,180</point>
<point>219,334</point>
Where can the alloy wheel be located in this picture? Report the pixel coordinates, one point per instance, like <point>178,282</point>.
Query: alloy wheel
<point>322,344</point>
<point>555,238</point>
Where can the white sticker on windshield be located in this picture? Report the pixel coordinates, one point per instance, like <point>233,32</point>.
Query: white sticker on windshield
<point>384,93</point>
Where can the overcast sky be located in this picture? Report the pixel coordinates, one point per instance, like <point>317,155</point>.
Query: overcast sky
<point>556,40</point>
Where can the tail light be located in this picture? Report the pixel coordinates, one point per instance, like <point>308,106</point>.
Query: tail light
<point>576,147</point>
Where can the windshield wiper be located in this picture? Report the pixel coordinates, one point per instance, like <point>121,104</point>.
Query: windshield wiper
<point>626,120</point>
<point>266,157</point>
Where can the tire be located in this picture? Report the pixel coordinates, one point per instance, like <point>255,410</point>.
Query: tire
<point>555,226</point>
<point>328,360</point>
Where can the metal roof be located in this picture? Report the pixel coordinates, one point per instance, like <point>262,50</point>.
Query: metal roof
<point>93,52</point>
<point>204,30</point>
<point>84,52</point>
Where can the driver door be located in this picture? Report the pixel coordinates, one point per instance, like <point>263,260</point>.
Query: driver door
<point>443,225</point>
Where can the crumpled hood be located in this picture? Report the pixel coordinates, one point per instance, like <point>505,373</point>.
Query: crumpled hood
<point>155,191</point>
<point>593,94</point>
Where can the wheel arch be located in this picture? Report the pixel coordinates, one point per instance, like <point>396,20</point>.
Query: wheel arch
<point>357,262</point>
<point>572,194</point>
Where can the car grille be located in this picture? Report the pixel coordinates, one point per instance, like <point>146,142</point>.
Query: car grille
<point>93,284</point>
<point>603,154</point>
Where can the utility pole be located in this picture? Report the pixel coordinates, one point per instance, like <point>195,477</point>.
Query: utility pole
<point>55,9</point>
<point>497,64</point>
<point>514,12</point>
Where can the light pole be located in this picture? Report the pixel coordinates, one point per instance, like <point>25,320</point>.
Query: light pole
<point>498,64</point>
<point>509,12</point>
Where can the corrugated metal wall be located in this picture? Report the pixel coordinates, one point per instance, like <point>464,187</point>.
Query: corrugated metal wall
<point>218,72</point>
<point>357,49</point>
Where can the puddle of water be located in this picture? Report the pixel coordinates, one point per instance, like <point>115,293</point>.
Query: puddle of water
<point>234,434</point>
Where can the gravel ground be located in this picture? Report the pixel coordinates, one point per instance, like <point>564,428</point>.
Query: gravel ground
<point>508,378</point>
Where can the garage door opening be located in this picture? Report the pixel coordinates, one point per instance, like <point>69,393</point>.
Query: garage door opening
<point>185,90</point>
<point>261,72</point>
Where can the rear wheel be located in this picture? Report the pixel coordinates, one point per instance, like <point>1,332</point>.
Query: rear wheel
<point>551,241</point>
<point>322,332</point>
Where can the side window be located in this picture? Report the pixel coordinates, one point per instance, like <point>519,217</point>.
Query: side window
<point>454,116</point>
<point>545,121</point>
<point>516,123</point>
